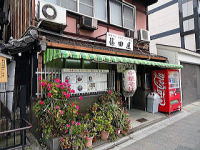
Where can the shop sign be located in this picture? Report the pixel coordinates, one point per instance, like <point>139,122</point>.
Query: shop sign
<point>130,81</point>
<point>117,41</point>
<point>3,70</point>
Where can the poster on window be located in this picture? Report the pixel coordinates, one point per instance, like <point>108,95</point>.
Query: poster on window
<point>117,41</point>
<point>130,84</point>
<point>86,80</point>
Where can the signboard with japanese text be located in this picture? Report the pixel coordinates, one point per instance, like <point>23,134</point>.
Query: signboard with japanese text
<point>3,70</point>
<point>117,41</point>
<point>130,81</point>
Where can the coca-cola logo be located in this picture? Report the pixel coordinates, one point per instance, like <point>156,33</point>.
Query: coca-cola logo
<point>159,82</point>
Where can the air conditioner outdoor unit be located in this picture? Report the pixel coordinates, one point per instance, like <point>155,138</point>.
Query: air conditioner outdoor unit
<point>130,33</point>
<point>144,35</point>
<point>52,16</point>
<point>89,23</point>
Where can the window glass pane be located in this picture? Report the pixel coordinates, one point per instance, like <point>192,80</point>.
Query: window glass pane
<point>57,2</point>
<point>100,9</point>
<point>128,17</point>
<point>115,13</point>
<point>86,7</point>
<point>187,8</point>
<point>88,2</point>
<point>188,25</point>
<point>69,4</point>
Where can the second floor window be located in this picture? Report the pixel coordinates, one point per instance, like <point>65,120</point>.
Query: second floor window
<point>122,15</point>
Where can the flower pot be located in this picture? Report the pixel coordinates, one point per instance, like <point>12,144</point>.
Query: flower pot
<point>53,144</point>
<point>94,139</point>
<point>88,142</point>
<point>124,132</point>
<point>118,132</point>
<point>104,135</point>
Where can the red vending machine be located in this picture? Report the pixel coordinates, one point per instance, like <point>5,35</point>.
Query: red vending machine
<point>167,84</point>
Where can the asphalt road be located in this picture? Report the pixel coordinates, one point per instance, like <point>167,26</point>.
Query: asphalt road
<point>182,135</point>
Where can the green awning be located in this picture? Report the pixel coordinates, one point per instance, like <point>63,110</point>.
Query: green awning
<point>52,54</point>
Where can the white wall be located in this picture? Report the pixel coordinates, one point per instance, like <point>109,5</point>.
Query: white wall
<point>164,20</point>
<point>190,42</point>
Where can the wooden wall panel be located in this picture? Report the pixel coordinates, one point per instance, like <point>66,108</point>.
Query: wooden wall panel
<point>20,20</point>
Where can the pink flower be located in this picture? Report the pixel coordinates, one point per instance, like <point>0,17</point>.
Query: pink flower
<point>39,78</point>
<point>62,87</point>
<point>61,112</point>
<point>57,80</point>
<point>109,91</point>
<point>67,95</point>
<point>48,89</point>
<point>49,85</point>
<point>68,126</point>
<point>66,131</point>
<point>73,122</point>
<point>58,85</point>
<point>80,98</point>
<point>41,102</point>
<point>43,83</point>
<point>77,107</point>
<point>64,93</point>
<point>57,107</point>
<point>72,91</point>
<point>78,123</point>
<point>49,94</point>
<point>66,81</point>
<point>68,85</point>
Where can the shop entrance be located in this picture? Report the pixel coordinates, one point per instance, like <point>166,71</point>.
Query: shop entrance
<point>138,114</point>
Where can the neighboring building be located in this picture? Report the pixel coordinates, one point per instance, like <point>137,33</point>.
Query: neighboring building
<point>175,30</point>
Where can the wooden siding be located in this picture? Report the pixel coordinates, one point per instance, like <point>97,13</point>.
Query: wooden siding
<point>20,17</point>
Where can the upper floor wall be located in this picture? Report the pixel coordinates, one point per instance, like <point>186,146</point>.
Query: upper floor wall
<point>113,16</point>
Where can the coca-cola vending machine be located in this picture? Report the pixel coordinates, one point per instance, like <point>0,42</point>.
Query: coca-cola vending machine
<point>167,84</point>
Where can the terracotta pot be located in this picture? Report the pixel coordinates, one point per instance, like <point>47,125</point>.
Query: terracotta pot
<point>88,142</point>
<point>94,139</point>
<point>104,135</point>
<point>124,132</point>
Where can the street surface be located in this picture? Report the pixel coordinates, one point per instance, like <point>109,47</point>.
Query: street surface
<point>181,135</point>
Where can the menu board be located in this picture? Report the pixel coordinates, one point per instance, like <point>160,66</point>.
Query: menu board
<point>86,80</point>
<point>3,70</point>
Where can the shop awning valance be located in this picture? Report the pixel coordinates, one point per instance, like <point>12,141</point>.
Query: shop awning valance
<point>52,54</point>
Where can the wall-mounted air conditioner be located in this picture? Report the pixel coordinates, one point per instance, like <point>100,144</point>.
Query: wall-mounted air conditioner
<point>143,35</point>
<point>51,15</point>
<point>89,23</point>
<point>130,33</point>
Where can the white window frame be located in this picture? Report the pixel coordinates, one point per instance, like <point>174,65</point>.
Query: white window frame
<point>106,21</point>
<point>134,15</point>
<point>128,5</point>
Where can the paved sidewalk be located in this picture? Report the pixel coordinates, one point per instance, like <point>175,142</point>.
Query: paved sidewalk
<point>136,136</point>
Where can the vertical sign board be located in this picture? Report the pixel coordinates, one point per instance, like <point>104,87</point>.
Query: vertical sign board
<point>3,70</point>
<point>117,41</point>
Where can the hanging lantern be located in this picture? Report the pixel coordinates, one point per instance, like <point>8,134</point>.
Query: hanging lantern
<point>130,81</point>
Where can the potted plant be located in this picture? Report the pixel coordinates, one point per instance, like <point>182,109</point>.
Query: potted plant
<point>65,143</point>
